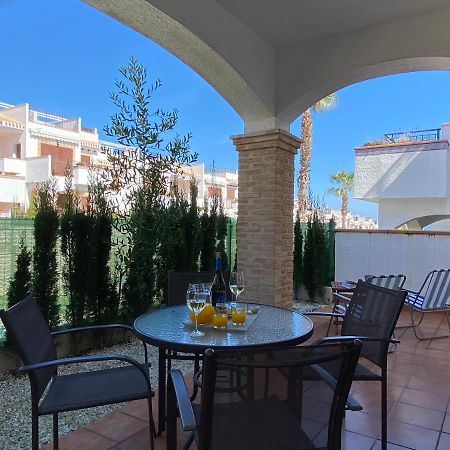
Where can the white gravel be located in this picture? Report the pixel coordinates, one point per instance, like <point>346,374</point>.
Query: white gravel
<point>15,405</point>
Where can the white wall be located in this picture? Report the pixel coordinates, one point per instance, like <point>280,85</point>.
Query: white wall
<point>12,190</point>
<point>12,165</point>
<point>38,169</point>
<point>378,252</point>
<point>402,171</point>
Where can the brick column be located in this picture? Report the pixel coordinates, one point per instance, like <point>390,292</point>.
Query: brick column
<point>265,220</point>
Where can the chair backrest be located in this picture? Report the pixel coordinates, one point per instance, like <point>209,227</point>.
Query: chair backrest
<point>373,312</point>
<point>394,282</point>
<point>282,396</point>
<point>179,282</point>
<point>436,289</point>
<point>31,337</point>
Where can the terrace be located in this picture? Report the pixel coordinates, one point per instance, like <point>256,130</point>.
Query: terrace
<point>270,64</point>
<point>418,405</point>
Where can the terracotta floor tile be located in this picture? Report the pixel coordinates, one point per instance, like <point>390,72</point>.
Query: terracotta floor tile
<point>377,446</point>
<point>139,441</point>
<point>355,441</point>
<point>138,409</point>
<point>446,426</point>
<point>362,423</point>
<point>404,434</point>
<point>415,415</point>
<point>117,426</point>
<point>424,399</point>
<point>82,439</point>
<point>444,442</point>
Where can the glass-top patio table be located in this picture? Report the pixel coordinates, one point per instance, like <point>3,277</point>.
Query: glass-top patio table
<point>166,329</point>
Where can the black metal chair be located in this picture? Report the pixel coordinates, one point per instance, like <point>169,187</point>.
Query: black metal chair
<point>277,412</point>
<point>371,316</point>
<point>52,393</point>
<point>178,283</point>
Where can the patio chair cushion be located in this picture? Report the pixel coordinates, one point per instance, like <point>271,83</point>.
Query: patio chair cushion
<point>265,424</point>
<point>95,388</point>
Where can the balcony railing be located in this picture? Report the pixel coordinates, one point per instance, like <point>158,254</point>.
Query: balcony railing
<point>433,134</point>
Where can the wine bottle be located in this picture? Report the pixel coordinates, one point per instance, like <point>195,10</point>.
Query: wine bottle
<point>219,288</point>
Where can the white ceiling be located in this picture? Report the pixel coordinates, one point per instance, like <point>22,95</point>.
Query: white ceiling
<point>282,23</point>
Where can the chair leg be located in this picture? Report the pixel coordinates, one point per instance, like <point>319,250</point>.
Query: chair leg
<point>151,423</point>
<point>384,409</point>
<point>34,430</point>
<point>427,338</point>
<point>196,369</point>
<point>189,441</point>
<point>55,432</point>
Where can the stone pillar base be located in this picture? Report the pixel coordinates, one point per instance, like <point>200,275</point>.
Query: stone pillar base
<point>265,216</point>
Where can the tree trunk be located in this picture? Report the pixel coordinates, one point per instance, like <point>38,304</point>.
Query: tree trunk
<point>305,158</point>
<point>344,209</point>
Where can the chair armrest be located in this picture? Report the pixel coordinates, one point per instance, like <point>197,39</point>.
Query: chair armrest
<point>92,328</point>
<point>101,327</point>
<point>409,291</point>
<point>85,359</point>
<point>328,339</point>
<point>187,416</point>
<point>342,297</point>
<point>324,314</point>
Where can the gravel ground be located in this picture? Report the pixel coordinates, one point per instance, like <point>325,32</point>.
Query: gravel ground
<point>15,414</point>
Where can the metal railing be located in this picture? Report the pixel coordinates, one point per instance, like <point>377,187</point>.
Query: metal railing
<point>432,134</point>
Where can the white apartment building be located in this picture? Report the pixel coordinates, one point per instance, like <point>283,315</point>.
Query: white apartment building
<point>35,145</point>
<point>408,175</point>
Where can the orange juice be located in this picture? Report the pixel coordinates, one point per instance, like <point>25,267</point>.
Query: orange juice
<point>238,315</point>
<point>220,320</point>
<point>205,317</point>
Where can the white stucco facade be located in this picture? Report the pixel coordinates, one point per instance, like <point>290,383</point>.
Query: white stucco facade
<point>35,146</point>
<point>410,181</point>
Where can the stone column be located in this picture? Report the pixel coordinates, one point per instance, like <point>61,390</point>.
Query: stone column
<point>265,215</point>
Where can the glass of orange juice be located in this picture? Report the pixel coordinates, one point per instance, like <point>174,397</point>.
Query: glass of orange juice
<point>220,317</point>
<point>238,313</point>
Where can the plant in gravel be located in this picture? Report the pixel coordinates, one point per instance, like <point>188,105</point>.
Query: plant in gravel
<point>315,257</point>
<point>20,282</point>
<point>102,295</point>
<point>45,268</point>
<point>74,233</point>
<point>222,228</point>
<point>139,174</point>
<point>298,253</point>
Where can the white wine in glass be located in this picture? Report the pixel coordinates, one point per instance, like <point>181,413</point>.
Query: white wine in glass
<point>236,283</point>
<point>196,299</point>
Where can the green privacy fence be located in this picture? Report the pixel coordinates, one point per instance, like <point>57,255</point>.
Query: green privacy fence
<point>11,230</point>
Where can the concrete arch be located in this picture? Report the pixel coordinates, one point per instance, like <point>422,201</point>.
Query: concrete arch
<point>270,73</point>
<point>419,223</point>
<point>339,61</point>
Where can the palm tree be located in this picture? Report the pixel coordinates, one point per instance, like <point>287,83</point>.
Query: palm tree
<point>325,104</point>
<point>343,182</point>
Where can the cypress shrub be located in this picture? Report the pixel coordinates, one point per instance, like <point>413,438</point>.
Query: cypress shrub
<point>222,228</point>
<point>298,254</point>
<point>192,231</point>
<point>207,246</point>
<point>45,268</point>
<point>102,297</point>
<point>314,257</point>
<point>20,283</point>
<point>330,252</point>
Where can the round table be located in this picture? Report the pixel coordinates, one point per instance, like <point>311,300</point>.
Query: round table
<point>166,329</point>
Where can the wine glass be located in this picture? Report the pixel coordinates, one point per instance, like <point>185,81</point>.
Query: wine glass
<point>236,283</point>
<point>196,298</point>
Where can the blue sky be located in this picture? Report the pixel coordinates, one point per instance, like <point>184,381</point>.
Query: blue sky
<point>63,56</point>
